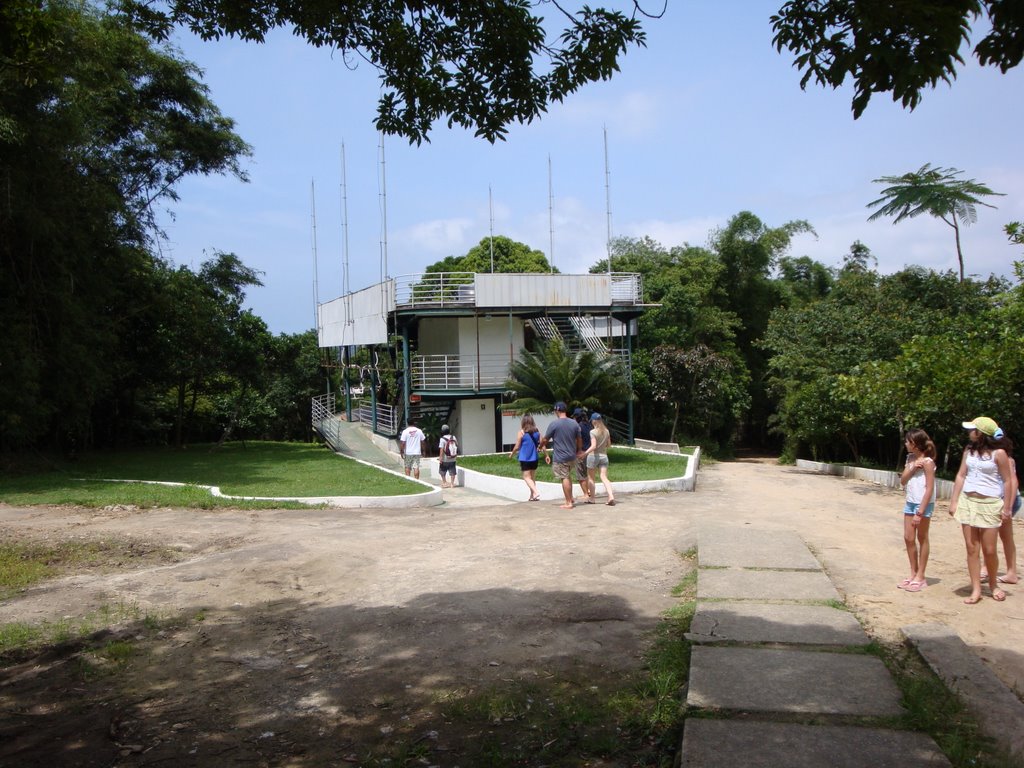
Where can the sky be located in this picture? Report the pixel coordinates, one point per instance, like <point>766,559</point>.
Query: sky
<point>705,122</point>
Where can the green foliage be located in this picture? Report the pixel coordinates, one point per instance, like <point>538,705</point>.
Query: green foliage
<point>898,48</point>
<point>97,127</point>
<point>552,373</point>
<point>508,256</point>
<point>478,65</point>
<point>879,355</point>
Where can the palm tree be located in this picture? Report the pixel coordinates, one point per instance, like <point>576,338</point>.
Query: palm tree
<point>579,379</point>
<point>937,192</point>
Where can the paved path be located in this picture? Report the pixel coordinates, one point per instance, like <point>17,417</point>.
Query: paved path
<point>775,650</point>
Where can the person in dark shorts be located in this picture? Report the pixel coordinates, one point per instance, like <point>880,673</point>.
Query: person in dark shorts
<point>580,416</point>
<point>448,449</point>
<point>526,449</point>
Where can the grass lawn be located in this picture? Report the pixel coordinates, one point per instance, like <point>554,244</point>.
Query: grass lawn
<point>624,465</point>
<point>255,469</point>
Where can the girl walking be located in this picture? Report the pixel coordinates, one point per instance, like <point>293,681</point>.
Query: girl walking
<point>526,448</point>
<point>597,457</point>
<point>981,500</point>
<point>918,479</point>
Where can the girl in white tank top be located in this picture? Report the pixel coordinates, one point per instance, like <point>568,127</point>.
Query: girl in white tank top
<point>919,480</point>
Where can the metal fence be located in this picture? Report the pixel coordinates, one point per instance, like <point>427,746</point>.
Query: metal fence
<point>447,372</point>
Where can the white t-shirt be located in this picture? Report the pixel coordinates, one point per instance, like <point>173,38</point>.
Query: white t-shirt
<point>412,437</point>
<point>916,484</point>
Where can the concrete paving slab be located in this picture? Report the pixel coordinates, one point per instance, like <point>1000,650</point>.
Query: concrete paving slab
<point>763,680</point>
<point>743,584</point>
<point>731,743</point>
<point>999,712</point>
<point>741,546</point>
<point>775,623</point>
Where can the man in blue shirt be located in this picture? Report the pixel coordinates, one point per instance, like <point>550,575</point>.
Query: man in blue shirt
<point>563,434</point>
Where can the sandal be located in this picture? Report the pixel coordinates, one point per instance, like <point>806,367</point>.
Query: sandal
<point>998,595</point>
<point>972,600</point>
<point>610,502</point>
<point>903,584</point>
<point>1006,580</point>
<point>915,586</point>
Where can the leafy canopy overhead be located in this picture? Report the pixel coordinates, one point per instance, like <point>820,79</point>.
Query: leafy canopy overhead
<point>898,48</point>
<point>482,64</point>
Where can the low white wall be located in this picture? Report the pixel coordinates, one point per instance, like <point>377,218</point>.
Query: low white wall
<point>653,445</point>
<point>514,488</point>
<point>883,477</point>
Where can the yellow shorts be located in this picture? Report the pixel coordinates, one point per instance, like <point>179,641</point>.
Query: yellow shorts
<point>979,511</point>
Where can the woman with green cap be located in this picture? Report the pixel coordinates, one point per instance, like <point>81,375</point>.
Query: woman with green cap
<point>981,500</point>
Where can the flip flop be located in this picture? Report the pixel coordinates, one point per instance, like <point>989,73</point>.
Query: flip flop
<point>903,584</point>
<point>915,586</point>
<point>972,600</point>
<point>998,595</point>
<point>610,503</point>
<point>1004,580</point>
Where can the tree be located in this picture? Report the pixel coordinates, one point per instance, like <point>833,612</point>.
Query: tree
<point>901,48</point>
<point>700,385</point>
<point>97,127</point>
<point>579,379</point>
<point>937,192</point>
<point>505,254</point>
<point>482,64</point>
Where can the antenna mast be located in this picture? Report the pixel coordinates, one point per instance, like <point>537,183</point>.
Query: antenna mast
<point>490,204</point>
<point>346,286</point>
<point>608,200</point>
<point>383,212</point>
<point>316,287</point>
<point>551,220</point>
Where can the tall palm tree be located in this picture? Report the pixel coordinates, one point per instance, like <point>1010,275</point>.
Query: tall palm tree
<point>937,192</point>
<point>579,379</point>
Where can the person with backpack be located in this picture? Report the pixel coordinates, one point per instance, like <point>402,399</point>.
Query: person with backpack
<point>448,450</point>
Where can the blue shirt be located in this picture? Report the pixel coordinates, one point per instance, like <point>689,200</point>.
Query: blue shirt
<point>528,446</point>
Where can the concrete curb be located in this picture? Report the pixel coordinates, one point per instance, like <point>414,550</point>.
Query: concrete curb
<point>883,477</point>
<point>514,488</point>
<point>431,497</point>
<point>999,712</point>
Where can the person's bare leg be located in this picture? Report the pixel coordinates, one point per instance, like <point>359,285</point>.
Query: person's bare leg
<point>607,485</point>
<point>989,537</point>
<point>923,549</point>
<point>973,543</point>
<point>1009,551</point>
<point>567,492</point>
<point>910,542</point>
<point>528,478</point>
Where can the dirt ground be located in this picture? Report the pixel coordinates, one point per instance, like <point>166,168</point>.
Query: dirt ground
<point>305,637</point>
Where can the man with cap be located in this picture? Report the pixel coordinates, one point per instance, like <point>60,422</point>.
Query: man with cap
<point>564,435</point>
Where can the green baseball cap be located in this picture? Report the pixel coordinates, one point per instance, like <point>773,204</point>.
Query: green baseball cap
<point>983,424</point>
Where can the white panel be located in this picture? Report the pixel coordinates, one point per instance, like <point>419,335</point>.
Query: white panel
<point>359,318</point>
<point>504,290</point>
<point>476,420</point>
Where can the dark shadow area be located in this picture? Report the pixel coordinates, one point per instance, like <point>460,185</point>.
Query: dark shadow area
<point>287,683</point>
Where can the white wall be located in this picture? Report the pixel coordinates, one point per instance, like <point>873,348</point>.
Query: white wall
<point>476,424</point>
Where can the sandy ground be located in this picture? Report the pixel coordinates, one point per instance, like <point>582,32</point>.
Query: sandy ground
<point>307,635</point>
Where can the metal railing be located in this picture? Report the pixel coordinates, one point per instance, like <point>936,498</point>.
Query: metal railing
<point>441,289</point>
<point>388,417</point>
<point>446,372</point>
